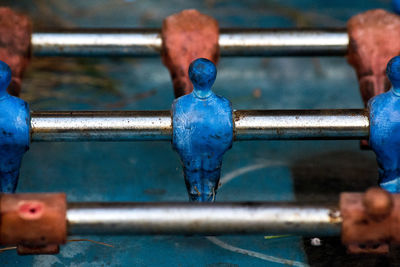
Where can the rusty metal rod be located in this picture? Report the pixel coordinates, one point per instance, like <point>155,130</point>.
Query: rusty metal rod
<point>157,125</point>
<point>202,219</point>
<point>232,42</point>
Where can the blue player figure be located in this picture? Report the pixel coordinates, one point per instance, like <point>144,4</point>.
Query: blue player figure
<point>385,129</point>
<point>14,132</point>
<point>202,132</point>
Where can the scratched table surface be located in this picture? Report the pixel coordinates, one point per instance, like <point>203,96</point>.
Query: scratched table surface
<point>312,171</point>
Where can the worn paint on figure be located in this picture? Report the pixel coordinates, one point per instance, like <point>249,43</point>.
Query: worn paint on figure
<point>385,130</point>
<point>202,132</point>
<point>14,132</point>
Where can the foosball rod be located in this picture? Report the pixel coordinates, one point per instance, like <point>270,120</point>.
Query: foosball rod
<point>157,125</point>
<point>232,42</point>
<point>202,219</point>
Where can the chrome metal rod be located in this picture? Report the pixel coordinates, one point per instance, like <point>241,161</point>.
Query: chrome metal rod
<point>157,125</point>
<point>232,42</point>
<point>202,219</point>
<point>301,124</point>
<point>101,125</point>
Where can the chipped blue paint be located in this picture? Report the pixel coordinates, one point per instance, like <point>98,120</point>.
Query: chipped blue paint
<point>202,132</point>
<point>385,130</point>
<point>14,132</point>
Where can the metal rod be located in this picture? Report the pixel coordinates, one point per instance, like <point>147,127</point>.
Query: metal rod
<point>157,125</point>
<point>203,219</point>
<point>100,125</point>
<point>232,42</point>
<point>301,124</point>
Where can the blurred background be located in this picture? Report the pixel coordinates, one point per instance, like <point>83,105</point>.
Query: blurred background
<point>312,171</point>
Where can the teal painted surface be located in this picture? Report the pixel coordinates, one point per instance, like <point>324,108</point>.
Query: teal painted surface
<point>151,171</point>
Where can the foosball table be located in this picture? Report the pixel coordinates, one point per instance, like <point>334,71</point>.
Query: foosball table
<point>277,160</point>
